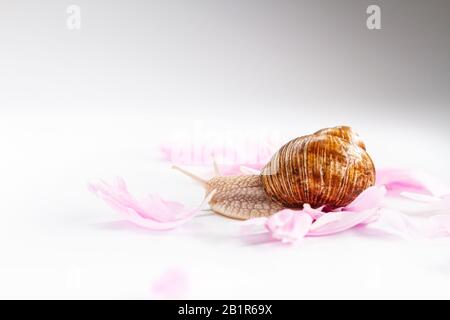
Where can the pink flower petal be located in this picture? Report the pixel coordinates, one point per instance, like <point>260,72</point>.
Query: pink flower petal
<point>244,152</point>
<point>368,199</point>
<point>289,225</point>
<point>172,284</point>
<point>441,224</point>
<point>152,212</point>
<point>402,180</point>
<point>394,222</point>
<point>314,213</point>
<point>334,222</point>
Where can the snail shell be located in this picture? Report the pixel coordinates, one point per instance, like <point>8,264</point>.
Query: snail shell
<point>328,168</point>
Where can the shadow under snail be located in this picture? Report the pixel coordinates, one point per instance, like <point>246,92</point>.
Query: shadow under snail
<point>328,168</point>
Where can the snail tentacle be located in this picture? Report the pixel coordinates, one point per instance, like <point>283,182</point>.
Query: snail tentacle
<point>201,181</point>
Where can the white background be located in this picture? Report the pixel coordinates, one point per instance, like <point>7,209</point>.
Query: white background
<point>80,105</point>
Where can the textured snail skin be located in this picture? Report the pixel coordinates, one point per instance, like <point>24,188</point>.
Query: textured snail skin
<point>241,197</point>
<point>328,168</point>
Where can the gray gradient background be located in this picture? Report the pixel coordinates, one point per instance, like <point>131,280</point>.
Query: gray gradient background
<point>147,56</point>
<point>288,66</point>
<point>89,104</point>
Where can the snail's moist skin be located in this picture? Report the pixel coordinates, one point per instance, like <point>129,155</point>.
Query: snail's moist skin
<point>319,169</point>
<point>241,197</point>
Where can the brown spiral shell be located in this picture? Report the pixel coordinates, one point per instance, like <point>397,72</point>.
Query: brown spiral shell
<point>328,168</point>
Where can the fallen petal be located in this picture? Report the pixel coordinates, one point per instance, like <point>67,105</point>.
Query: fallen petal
<point>172,284</point>
<point>152,212</point>
<point>289,225</point>
<point>368,199</point>
<point>334,222</point>
<point>314,213</point>
<point>402,180</point>
<point>397,223</point>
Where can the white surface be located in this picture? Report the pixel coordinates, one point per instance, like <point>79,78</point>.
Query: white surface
<point>59,241</point>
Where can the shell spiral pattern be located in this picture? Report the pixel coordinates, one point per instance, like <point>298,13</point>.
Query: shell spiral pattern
<point>328,168</point>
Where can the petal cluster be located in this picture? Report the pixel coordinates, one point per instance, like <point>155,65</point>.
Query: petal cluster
<point>289,225</point>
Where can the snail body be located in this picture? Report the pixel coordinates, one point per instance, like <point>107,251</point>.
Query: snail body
<point>329,168</point>
<point>241,197</point>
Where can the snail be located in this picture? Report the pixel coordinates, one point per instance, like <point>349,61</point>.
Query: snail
<point>328,168</point>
